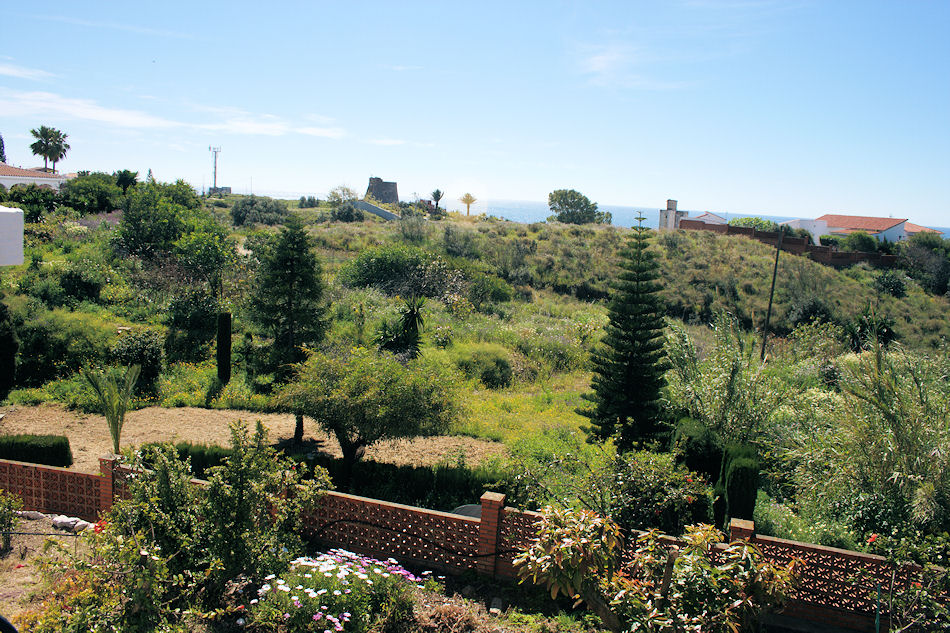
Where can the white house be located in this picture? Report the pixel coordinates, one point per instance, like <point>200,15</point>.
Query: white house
<point>816,228</point>
<point>10,175</point>
<point>710,218</point>
<point>11,236</point>
<point>882,229</point>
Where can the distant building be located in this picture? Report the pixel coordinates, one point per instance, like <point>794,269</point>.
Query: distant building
<point>670,217</point>
<point>219,191</point>
<point>381,191</point>
<point>816,228</point>
<point>882,229</point>
<point>10,175</point>
<point>913,229</point>
<point>710,218</point>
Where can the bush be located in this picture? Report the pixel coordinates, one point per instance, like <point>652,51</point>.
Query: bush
<point>808,310</point>
<point>82,281</point>
<point>698,448</point>
<point>202,457</point>
<point>656,493</point>
<point>486,289</point>
<point>91,193</point>
<point>9,504</point>
<point>51,450</point>
<point>192,320</point>
<point>347,212</point>
<point>742,486</point>
<point>891,282</point>
<point>401,270</point>
<point>35,201</point>
<point>255,209</point>
<point>488,362</point>
<point>142,347</point>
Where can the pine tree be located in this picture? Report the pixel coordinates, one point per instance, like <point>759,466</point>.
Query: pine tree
<point>3,153</point>
<point>287,299</point>
<point>629,364</point>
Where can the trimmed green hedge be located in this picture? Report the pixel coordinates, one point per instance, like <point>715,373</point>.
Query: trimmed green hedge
<point>51,450</point>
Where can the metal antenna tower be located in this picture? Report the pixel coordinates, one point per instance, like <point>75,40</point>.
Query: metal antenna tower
<point>215,151</point>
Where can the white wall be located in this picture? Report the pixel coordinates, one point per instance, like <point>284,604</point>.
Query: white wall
<point>11,236</point>
<point>817,228</point>
<point>894,234</point>
<point>55,182</point>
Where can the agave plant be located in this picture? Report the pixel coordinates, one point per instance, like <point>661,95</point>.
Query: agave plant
<point>114,390</point>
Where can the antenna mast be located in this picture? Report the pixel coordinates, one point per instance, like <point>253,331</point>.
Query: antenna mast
<point>215,151</point>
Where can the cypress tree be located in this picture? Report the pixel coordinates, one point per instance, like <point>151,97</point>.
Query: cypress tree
<point>629,363</point>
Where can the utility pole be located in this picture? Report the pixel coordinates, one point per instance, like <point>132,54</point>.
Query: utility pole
<point>768,313</point>
<point>214,181</point>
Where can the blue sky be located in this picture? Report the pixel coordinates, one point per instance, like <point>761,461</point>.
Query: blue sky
<point>781,108</point>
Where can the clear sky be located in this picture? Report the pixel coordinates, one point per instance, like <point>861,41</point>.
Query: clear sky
<point>778,107</point>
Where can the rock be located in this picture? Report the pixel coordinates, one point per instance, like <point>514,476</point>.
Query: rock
<point>468,591</point>
<point>63,522</point>
<point>31,515</point>
<point>496,606</point>
<point>81,526</point>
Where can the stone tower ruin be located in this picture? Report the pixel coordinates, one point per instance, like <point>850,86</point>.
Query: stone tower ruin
<point>381,191</point>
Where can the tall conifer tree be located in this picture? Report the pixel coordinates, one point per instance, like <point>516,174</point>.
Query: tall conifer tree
<point>629,363</point>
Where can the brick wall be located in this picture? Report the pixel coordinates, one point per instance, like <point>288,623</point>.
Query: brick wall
<point>837,586</point>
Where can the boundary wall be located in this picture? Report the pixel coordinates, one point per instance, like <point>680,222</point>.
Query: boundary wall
<point>795,245</point>
<point>837,586</point>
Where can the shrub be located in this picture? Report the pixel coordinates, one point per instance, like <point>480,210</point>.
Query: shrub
<point>202,457</point>
<point>255,209</point>
<point>488,362</point>
<point>346,212</point>
<point>742,485</point>
<point>51,450</point>
<point>698,448</point>
<point>891,282</point>
<point>486,289</point>
<point>808,310</point>
<point>192,318</point>
<point>396,270</point>
<point>82,281</point>
<point>142,347</point>
<point>9,504</point>
<point>35,201</point>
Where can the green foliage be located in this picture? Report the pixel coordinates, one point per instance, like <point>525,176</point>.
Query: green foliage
<point>926,258</point>
<point>114,392</point>
<point>151,222</point>
<point>728,390</point>
<point>52,450</point>
<point>403,337</point>
<point>401,270</point>
<point>488,363</point>
<point>142,347</point>
<point>9,345</point>
<point>858,241</point>
<point>366,397</point>
<point>698,448</point>
<point>805,310</point>
<point>50,144</point>
<point>287,299</point>
<point>573,207</point>
<point>35,201</point>
<point>628,365</point>
<point>742,486</point>
<point>485,290</point>
<point>125,179</point>
<point>346,212</point>
<point>191,319</point>
<point>308,202</point>
<point>754,222</point>
<point>9,504</point>
<point>661,590</point>
<point>91,193</point>
<point>3,153</point>
<point>459,242</point>
<point>891,282</point>
<point>258,210</point>
<point>205,251</point>
<point>869,329</point>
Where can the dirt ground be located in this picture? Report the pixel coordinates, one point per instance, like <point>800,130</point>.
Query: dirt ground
<point>20,578</point>
<point>89,435</point>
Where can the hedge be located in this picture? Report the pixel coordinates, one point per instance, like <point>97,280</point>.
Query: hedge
<point>50,450</point>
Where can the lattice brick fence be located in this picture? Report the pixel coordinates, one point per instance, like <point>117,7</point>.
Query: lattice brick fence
<point>53,490</point>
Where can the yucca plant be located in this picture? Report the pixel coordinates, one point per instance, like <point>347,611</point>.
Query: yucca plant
<point>113,389</point>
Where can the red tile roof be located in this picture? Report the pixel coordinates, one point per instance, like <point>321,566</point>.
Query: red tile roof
<point>860,222</point>
<point>912,228</point>
<point>10,170</point>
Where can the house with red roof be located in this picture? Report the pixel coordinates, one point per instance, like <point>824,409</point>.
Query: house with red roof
<point>883,229</point>
<point>10,175</point>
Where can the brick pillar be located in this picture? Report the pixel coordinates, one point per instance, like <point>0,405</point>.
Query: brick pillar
<point>741,529</point>
<point>106,491</point>
<point>492,505</point>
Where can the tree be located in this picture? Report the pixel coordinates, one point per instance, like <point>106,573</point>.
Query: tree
<point>755,222</point>
<point>859,241</point>
<point>91,193</point>
<point>258,209</point>
<point>468,200</point>
<point>113,393</point>
<point>338,196</point>
<point>367,397</point>
<point>50,144</point>
<point>436,195</point>
<point>9,345</point>
<point>125,179</point>
<point>629,364</point>
<point>287,299</point>
<point>205,252</point>
<point>151,222</point>
<point>3,153</point>
<point>573,207</point>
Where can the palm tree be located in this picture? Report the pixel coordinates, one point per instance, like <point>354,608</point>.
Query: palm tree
<point>468,200</point>
<point>437,195</point>
<point>50,144</point>
<point>59,149</point>
<point>114,393</point>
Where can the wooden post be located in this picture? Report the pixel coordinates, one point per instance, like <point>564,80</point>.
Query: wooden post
<point>224,347</point>
<point>492,505</point>
<point>106,490</point>
<point>741,529</point>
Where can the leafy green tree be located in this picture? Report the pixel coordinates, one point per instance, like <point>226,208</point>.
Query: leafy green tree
<point>113,393</point>
<point>859,241</point>
<point>3,153</point>
<point>368,397</point>
<point>35,201</point>
<point>125,179</point>
<point>206,251</point>
<point>256,209</point>
<point>339,196</point>
<point>45,142</point>
<point>91,193</point>
<point>573,207</point>
<point>629,364</point>
<point>437,196</point>
<point>151,222</point>
<point>287,299</point>
<point>9,344</point>
<point>755,222</point>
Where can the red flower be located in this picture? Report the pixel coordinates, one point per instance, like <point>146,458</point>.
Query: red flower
<point>689,479</point>
<point>100,526</point>
<point>689,499</point>
<point>872,538</point>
